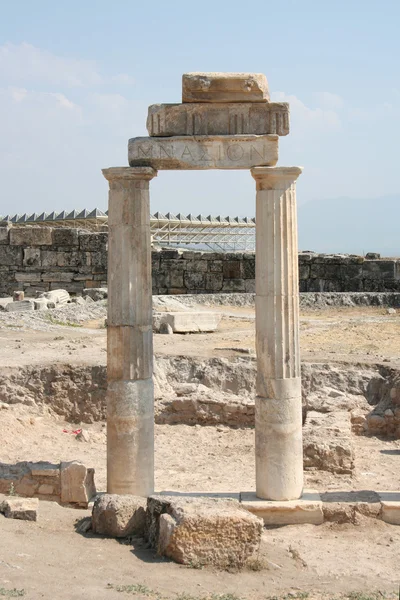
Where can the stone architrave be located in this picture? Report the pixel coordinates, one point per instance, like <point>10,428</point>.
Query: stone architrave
<point>224,87</point>
<point>203,152</point>
<point>130,397</point>
<point>247,118</point>
<point>278,408</point>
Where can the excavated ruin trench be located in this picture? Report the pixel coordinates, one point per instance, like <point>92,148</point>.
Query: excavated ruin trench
<point>190,390</point>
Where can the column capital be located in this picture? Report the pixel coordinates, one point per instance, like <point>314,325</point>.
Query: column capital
<point>275,178</point>
<point>129,173</point>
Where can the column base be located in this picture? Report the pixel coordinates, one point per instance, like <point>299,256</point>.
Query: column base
<point>307,509</point>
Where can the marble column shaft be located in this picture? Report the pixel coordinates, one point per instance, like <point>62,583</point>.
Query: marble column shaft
<point>130,396</point>
<point>278,424</point>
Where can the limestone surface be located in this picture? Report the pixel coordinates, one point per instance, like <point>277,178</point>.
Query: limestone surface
<point>390,502</point>
<point>118,516</point>
<point>224,87</point>
<point>20,306</point>
<point>307,509</point>
<point>188,322</point>
<point>204,152</point>
<point>202,531</point>
<point>328,442</point>
<point>218,119</point>
<point>77,483</point>
<point>19,508</point>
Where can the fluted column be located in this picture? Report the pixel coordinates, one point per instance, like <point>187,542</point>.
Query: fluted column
<point>278,419</point>
<point>130,396</point>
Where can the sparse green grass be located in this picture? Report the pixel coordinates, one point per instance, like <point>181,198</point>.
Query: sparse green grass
<point>143,590</point>
<point>55,321</point>
<point>14,593</point>
<point>134,588</point>
<point>11,491</point>
<point>227,596</point>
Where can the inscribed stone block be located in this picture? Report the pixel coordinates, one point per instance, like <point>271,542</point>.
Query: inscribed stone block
<point>204,152</point>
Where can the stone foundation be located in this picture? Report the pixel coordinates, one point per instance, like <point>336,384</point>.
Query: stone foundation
<point>68,483</point>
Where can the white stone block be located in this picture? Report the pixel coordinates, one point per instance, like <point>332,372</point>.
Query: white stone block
<point>190,322</point>
<point>204,152</point>
<point>20,306</point>
<point>307,509</point>
<point>390,502</point>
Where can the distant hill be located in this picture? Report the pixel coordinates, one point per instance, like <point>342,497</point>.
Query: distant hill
<point>351,225</point>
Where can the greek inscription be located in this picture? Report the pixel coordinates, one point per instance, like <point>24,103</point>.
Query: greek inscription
<point>234,152</point>
<point>254,151</point>
<point>186,153</point>
<point>168,151</point>
<point>204,155</point>
<point>146,151</point>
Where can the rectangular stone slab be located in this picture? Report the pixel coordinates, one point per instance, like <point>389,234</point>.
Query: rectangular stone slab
<point>390,503</point>
<point>198,118</point>
<point>204,152</point>
<point>191,322</point>
<point>224,87</point>
<point>307,509</point>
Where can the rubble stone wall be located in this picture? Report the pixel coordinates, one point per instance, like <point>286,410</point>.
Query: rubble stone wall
<point>44,258</point>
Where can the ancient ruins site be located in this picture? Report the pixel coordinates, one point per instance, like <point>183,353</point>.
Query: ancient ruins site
<point>183,424</point>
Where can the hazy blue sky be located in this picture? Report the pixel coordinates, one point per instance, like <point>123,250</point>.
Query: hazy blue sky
<point>76,79</point>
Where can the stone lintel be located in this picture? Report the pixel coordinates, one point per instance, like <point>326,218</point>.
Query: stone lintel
<point>204,152</point>
<point>224,87</point>
<point>128,173</point>
<point>276,178</point>
<point>240,118</point>
<point>307,509</point>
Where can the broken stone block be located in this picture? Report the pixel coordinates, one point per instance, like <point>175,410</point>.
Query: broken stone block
<point>96,294</point>
<point>202,531</point>
<point>189,322</point>
<point>166,329</point>
<point>19,508</point>
<point>119,516</point>
<point>57,296</point>
<point>224,87</point>
<point>20,306</point>
<point>40,304</point>
<point>77,483</point>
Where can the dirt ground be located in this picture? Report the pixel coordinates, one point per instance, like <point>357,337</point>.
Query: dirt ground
<point>49,559</point>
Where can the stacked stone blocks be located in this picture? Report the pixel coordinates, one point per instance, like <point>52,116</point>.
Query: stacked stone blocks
<point>74,259</point>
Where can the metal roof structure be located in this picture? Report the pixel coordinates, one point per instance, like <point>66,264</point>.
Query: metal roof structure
<point>221,234</point>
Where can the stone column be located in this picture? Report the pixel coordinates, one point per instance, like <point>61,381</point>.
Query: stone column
<point>130,397</point>
<point>278,419</point>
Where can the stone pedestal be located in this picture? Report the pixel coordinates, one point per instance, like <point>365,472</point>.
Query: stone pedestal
<point>130,398</point>
<point>278,411</point>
